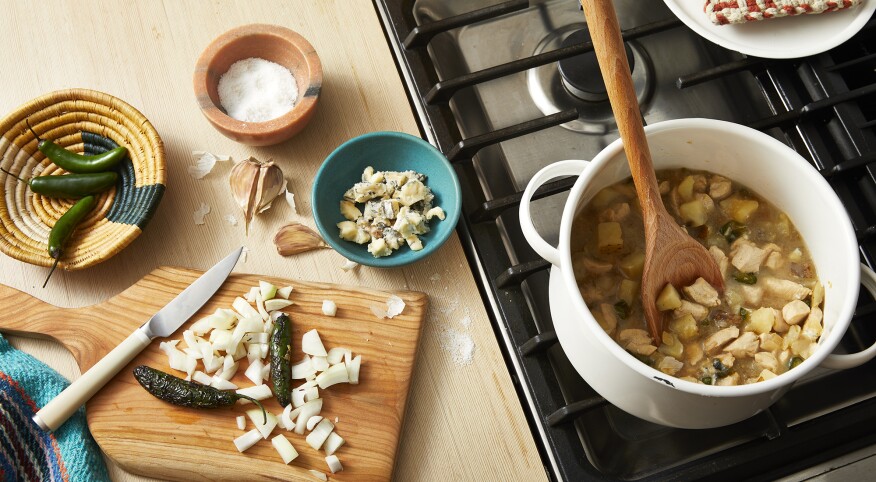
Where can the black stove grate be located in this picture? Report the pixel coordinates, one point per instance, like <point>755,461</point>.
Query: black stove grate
<point>823,106</point>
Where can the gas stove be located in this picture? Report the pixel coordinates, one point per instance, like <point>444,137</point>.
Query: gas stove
<point>506,88</point>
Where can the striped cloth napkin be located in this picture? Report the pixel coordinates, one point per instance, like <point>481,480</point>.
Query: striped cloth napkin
<point>26,452</point>
<point>724,12</point>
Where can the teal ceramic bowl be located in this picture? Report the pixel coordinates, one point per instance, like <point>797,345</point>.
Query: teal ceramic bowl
<point>385,151</point>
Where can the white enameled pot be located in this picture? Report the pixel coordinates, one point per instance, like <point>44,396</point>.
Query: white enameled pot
<point>766,166</point>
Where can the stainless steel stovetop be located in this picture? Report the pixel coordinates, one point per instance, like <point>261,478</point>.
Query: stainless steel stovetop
<point>505,88</point>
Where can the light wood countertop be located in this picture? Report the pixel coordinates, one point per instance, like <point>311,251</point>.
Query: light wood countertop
<point>464,422</point>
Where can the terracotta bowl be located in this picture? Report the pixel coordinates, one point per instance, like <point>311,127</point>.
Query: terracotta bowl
<point>270,42</point>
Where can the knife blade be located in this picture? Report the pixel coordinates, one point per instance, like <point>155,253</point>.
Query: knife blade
<point>163,323</point>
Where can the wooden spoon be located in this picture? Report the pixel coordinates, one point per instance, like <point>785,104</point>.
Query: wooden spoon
<point>671,255</point>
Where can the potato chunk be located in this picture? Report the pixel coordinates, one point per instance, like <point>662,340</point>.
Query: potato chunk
<point>668,299</point>
<point>627,291</point>
<point>610,237</point>
<point>685,327</point>
<point>738,209</point>
<point>632,265</point>
<point>693,213</point>
<point>761,320</point>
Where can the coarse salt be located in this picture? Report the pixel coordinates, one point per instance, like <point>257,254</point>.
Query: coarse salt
<point>257,90</point>
<point>459,345</point>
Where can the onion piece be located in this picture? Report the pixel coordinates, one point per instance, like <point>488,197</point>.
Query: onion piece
<point>353,370</point>
<point>306,385</point>
<point>228,371</point>
<point>268,290</point>
<point>241,422</point>
<point>201,326</point>
<point>222,384</point>
<point>329,308</point>
<point>215,364</point>
<point>298,398</point>
<point>302,369</point>
<point>308,410</point>
<point>260,305</point>
<point>284,448</point>
<point>239,353</point>
<point>336,354</point>
<point>332,443</point>
<point>247,440</point>
<point>253,353</point>
<point>321,432</point>
<point>274,305</point>
<point>288,416</point>
<point>222,319</point>
<point>348,355</point>
<point>313,421</point>
<point>334,464</point>
<point>175,358</point>
<point>251,294</point>
<point>193,352</point>
<point>202,378</point>
<point>270,421</point>
<point>312,345</point>
<point>284,292</point>
<point>266,371</point>
<point>244,309</point>
<point>311,393</point>
<point>334,375</point>
<point>320,363</point>
<point>269,325</point>
<point>319,475</point>
<point>258,392</point>
<point>220,339</point>
<point>260,337</point>
<point>254,371</point>
<point>263,350</point>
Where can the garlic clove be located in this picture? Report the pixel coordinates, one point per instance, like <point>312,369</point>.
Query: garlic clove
<point>254,185</point>
<point>297,238</point>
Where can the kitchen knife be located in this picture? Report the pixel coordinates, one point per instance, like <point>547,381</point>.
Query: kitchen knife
<point>162,324</point>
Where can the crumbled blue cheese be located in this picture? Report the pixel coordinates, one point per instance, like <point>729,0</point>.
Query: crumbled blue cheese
<point>396,208</point>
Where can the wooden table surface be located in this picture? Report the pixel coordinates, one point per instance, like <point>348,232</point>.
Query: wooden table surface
<point>464,422</point>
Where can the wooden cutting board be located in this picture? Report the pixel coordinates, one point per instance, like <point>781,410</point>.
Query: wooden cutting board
<point>153,438</point>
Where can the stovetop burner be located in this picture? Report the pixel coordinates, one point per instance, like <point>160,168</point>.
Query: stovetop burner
<point>576,82</point>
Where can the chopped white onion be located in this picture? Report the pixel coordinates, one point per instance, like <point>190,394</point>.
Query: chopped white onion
<point>220,339</point>
<point>319,475</point>
<point>311,393</point>
<point>244,309</point>
<point>175,358</point>
<point>348,355</point>
<point>260,337</point>
<point>334,375</point>
<point>298,398</point>
<point>288,416</point>
<point>258,392</point>
<point>201,326</point>
<point>215,364</point>
<point>267,289</point>
<point>266,371</point>
<point>336,354</point>
<point>274,305</point>
<point>260,305</point>
<point>320,363</point>
<point>202,378</point>
<point>302,369</point>
<point>254,371</point>
<point>312,345</point>
<point>240,352</point>
<point>253,353</point>
<point>221,384</point>
<point>321,432</point>
<point>191,364</point>
<point>241,422</point>
<point>228,371</point>
<point>189,338</point>
<point>269,325</point>
<point>334,464</point>
<point>247,440</point>
<point>353,370</point>
<point>263,423</point>
<point>251,294</point>
<point>332,443</point>
<point>284,448</point>
<point>329,308</point>
<point>308,410</point>
<point>263,350</point>
<point>222,319</point>
<point>313,421</point>
<point>193,352</point>
<point>306,385</point>
<point>284,292</point>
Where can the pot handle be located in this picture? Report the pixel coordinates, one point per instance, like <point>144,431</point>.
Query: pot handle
<point>840,362</point>
<point>561,168</point>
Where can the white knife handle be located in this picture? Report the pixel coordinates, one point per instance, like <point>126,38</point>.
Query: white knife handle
<point>60,408</point>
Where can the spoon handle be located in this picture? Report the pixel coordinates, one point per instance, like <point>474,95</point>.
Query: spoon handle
<point>609,48</point>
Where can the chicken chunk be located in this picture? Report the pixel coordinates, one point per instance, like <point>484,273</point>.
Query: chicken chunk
<point>595,266</point>
<point>669,365</point>
<point>720,259</point>
<point>608,318</point>
<point>774,260</point>
<point>699,312</point>
<point>812,328</point>
<point>720,338</point>
<point>637,341</point>
<point>766,375</point>
<point>693,352</point>
<point>703,293</point>
<point>744,346</point>
<point>747,258</point>
<point>767,361</point>
<point>617,213</point>
<point>785,289</point>
<point>720,187</point>
<point>729,380</point>
<point>770,342</point>
<point>751,294</point>
<point>794,312</point>
<point>726,359</point>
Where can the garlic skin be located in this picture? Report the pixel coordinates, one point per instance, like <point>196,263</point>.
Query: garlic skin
<point>254,185</point>
<point>295,238</point>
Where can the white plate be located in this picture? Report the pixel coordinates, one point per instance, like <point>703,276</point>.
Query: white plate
<point>777,38</point>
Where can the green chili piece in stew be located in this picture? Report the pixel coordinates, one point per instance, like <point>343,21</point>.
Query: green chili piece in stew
<point>746,278</point>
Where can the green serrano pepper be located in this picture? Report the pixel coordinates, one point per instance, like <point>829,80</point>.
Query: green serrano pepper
<point>281,365</point>
<point>63,229</point>
<point>70,185</point>
<point>79,163</point>
<point>183,393</point>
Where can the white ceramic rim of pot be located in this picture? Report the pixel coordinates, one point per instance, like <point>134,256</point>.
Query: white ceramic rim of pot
<point>846,242</point>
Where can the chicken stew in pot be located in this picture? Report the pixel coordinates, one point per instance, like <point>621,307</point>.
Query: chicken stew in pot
<point>767,321</point>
